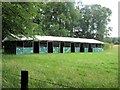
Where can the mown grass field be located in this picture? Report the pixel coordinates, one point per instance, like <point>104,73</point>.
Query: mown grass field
<point>80,70</point>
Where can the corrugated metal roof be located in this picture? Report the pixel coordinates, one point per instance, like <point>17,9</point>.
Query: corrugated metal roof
<point>54,38</point>
<point>65,39</point>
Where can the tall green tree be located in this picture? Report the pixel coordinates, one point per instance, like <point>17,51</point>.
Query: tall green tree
<point>93,23</point>
<point>17,18</point>
<point>57,18</point>
<point>50,18</point>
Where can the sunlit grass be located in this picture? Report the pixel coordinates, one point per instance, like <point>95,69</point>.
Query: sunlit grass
<point>89,70</point>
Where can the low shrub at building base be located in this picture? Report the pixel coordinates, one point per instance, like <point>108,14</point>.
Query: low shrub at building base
<point>108,46</point>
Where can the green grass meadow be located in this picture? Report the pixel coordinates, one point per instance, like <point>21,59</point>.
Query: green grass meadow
<point>79,70</point>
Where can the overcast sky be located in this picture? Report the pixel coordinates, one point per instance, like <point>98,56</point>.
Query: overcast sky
<point>113,5</point>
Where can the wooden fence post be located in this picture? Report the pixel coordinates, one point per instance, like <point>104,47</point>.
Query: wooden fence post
<point>24,80</point>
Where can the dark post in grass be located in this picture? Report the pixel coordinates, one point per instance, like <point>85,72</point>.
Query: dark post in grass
<point>24,80</point>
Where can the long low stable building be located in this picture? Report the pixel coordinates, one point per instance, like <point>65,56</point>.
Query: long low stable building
<point>50,44</point>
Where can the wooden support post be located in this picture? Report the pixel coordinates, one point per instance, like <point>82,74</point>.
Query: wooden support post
<point>24,80</point>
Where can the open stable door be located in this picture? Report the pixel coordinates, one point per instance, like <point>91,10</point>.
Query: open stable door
<point>36,47</point>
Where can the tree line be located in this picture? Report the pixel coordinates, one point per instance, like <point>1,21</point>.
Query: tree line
<point>55,19</point>
<point>114,40</point>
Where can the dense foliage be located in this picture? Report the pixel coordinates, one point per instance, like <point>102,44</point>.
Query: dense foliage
<point>94,22</point>
<point>56,19</point>
<point>114,40</point>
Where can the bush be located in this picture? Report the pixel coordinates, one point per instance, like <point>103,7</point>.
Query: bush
<point>108,46</point>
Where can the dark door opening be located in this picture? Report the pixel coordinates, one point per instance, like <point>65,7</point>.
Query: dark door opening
<point>36,47</point>
<point>82,48</point>
<point>50,47</point>
<point>72,47</point>
<point>61,47</point>
<point>90,48</point>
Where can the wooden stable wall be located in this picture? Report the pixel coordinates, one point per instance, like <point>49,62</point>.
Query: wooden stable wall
<point>56,47</point>
<point>27,47</point>
<point>67,47</point>
<point>24,47</point>
<point>84,47</point>
<point>18,47</point>
<point>91,47</point>
<point>77,47</point>
<point>43,47</point>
